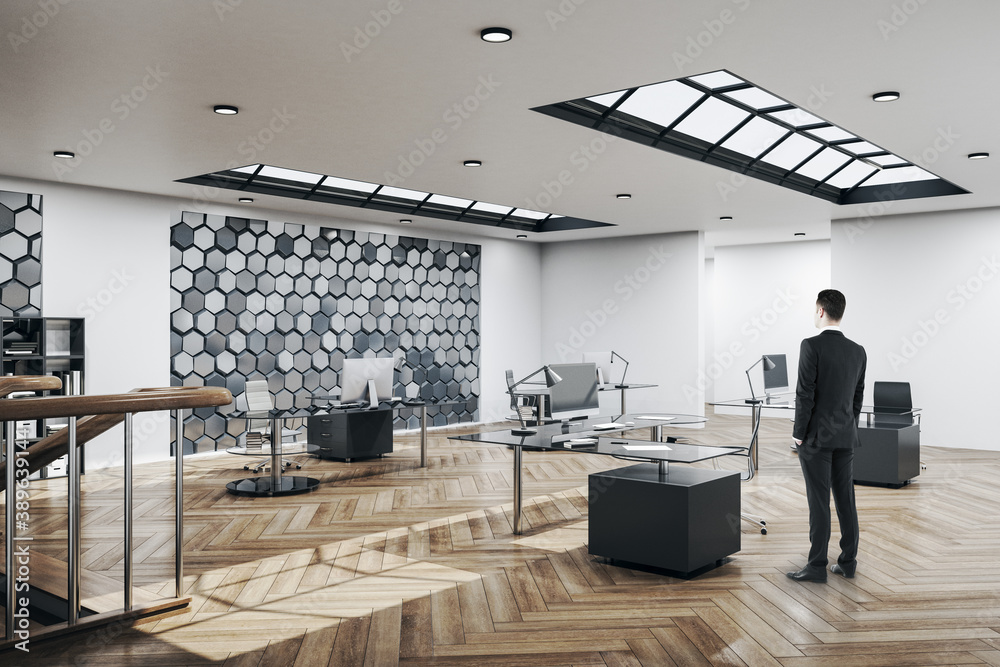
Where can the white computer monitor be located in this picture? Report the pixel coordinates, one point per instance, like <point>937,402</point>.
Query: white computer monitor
<point>776,379</point>
<point>576,394</point>
<point>368,379</point>
<point>608,372</point>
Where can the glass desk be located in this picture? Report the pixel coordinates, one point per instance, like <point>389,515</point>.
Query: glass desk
<point>541,392</point>
<point>559,437</point>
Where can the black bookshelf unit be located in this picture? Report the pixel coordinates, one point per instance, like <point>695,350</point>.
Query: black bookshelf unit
<point>45,346</point>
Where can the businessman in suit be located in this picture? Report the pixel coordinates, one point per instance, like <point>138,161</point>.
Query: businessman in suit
<point>828,396</point>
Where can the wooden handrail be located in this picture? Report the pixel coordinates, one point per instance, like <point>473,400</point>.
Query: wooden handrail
<point>143,400</point>
<point>11,383</point>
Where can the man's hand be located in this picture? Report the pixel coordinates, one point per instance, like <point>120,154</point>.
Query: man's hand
<point>797,441</point>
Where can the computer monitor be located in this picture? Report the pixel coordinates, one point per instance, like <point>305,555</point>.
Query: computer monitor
<point>776,379</point>
<point>608,372</point>
<point>368,379</point>
<point>576,395</point>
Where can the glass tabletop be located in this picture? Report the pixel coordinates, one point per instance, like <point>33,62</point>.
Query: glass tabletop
<point>787,402</point>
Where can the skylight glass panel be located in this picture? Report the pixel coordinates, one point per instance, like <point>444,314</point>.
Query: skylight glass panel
<point>822,165</point>
<point>900,175</point>
<point>887,160</point>
<point>756,98</point>
<point>348,184</point>
<point>662,103</point>
<point>249,169</point>
<point>491,208</point>
<point>861,147</point>
<point>445,200</point>
<point>714,80</point>
<point>402,193</point>
<point>851,175</point>
<point>755,137</point>
<point>528,213</point>
<point>712,120</point>
<point>796,117</point>
<point>831,133</point>
<point>792,151</point>
<point>291,175</point>
<point>608,99</point>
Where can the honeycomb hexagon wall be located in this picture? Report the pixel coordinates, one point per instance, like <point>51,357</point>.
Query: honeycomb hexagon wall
<point>20,254</point>
<point>253,299</point>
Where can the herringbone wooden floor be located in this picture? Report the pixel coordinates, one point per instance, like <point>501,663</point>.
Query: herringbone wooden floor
<point>388,563</point>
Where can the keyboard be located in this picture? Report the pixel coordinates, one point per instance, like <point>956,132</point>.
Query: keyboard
<point>609,425</point>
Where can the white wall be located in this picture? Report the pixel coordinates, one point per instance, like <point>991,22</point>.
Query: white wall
<point>765,296</point>
<point>923,297</point>
<point>639,296</point>
<point>106,257</point>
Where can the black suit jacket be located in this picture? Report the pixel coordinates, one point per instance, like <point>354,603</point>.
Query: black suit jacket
<point>829,392</point>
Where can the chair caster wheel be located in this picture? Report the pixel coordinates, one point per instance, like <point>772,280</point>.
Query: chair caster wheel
<point>763,531</point>
<point>763,523</point>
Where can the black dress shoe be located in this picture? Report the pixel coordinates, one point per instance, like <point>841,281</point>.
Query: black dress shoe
<point>808,574</point>
<point>837,569</point>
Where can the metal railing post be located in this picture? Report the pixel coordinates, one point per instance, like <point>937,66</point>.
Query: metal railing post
<point>179,504</point>
<point>9,447</point>
<point>128,511</point>
<point>73,528</point>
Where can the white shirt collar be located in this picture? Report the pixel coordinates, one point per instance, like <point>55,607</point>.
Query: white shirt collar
<point>831,327</point>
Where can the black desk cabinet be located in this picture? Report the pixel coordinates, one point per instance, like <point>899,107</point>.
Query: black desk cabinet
<point>887,455</point>
<point>684,521</point>
<point>354,434</point>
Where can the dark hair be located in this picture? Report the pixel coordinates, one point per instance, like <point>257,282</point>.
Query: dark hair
<point>833,302</point>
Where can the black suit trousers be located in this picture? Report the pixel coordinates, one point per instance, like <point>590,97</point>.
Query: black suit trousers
<point>827,470</point>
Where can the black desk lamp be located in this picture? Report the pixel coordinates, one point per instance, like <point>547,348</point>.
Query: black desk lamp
<point>551,378</point>
<point>622,384</point>
<point>768,366</point>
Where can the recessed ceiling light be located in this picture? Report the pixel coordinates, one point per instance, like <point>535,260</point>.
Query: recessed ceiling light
<point>226,109</point>
<point>246,200</point>
<point>978,156</point>
<point>886,96</point>
<point>405,221</point>
<point>623,195</point>
<point>725,217</point>
<point>522,236</point>
<point>800,233</point>
<point>473,163</point>
<point>495,35</point>
<point>66,155</point>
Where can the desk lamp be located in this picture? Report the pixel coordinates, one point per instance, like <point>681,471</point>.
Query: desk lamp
<point>768,366</point>
<point>551,379</point>
<point>622,384</point>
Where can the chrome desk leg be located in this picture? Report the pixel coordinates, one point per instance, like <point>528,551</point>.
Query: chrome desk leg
<point>541,410</point>
<point>517,489</point>
<point>664,469</point>
<point>128,511</point>
<point>276,438</point>
<point>755,414</point>
<point>656,433</point>
<point>624,411</point>
<point>423,436</point>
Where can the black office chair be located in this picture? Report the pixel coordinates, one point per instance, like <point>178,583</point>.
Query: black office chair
<point>892,404</point>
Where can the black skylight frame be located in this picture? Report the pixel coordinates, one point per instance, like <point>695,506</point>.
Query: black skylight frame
<point>281,182</point>
<point>874,164</point>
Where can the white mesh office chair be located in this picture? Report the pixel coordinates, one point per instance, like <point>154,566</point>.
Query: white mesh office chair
<point>747,475</point>
<point>258,404</point>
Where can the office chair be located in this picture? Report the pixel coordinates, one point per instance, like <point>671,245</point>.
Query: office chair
<point>747,475</point>
<point>893,406</point>
<point>259,404</point>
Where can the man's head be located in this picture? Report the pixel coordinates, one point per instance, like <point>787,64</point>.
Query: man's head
<point>830,305</point>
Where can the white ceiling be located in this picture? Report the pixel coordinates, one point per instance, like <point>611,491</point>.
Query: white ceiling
<point>85,80</point>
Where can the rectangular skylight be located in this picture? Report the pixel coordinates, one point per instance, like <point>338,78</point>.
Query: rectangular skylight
<point>290,175</point>
<point>402,193</point>
<point>662,103</point>
<point>249,169</point>
<point>348,184</point>
<point>528,213</point>
<point>822,165</point>
<point>745,128</point>
<point>792,151</point>
<point>711,120</point>
<point>491,208</point>
<point>755,137</point>
<point>445,200</point>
